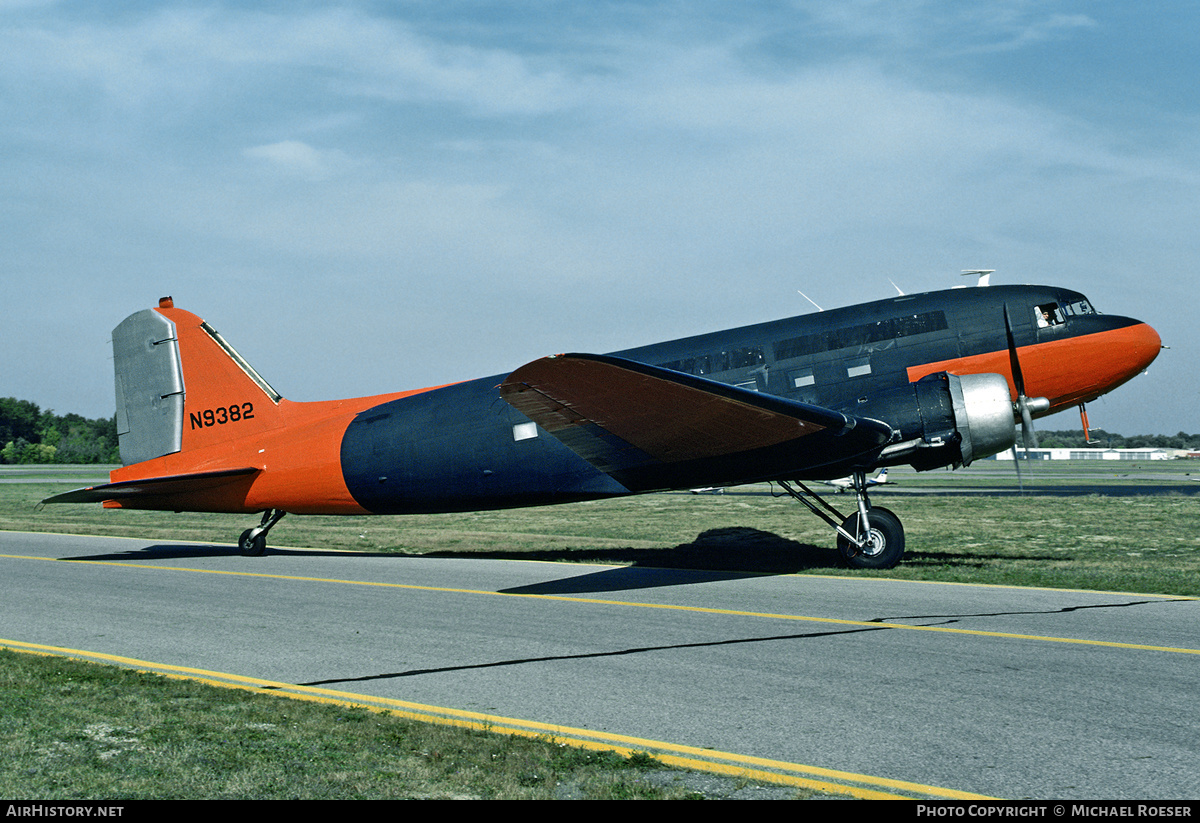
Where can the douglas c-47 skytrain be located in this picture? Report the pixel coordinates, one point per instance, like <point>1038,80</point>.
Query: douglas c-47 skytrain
<point>929,380</point>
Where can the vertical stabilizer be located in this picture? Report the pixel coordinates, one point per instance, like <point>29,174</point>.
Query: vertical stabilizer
<point>181,387</point>
<point>149,387</point>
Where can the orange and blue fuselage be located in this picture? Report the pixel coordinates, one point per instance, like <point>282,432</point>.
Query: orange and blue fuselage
<point>460,447</point>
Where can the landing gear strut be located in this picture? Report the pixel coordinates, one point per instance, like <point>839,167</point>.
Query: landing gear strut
<point>871,538</point>
<point>253,542</point>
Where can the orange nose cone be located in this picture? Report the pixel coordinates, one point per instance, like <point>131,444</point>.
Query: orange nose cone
<point>1145,344</point>
<point>1079,369</point>
<point>1123,354</point>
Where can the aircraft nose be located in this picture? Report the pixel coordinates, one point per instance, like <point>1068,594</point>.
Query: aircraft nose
<point>1108,352</point>
<point>1133,346</point>
<point>1144,344</point>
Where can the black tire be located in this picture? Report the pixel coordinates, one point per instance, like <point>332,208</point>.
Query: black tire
<point>252,546</point>
<point>886,547</point>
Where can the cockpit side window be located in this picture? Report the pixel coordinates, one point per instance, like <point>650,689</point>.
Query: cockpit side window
<point>1048,314</point>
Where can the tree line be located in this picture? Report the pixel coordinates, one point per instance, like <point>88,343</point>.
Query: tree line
<point>1073,439</point>
<point>30,435</point>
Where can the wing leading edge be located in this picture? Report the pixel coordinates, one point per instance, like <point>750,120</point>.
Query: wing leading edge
<point>652,428</point>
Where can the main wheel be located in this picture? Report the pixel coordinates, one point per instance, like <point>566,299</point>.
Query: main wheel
<point>252,546</point>
<point>884,547</point>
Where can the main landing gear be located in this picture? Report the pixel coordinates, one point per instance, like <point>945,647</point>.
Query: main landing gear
<point>253,542</point>
<point>871,538</point>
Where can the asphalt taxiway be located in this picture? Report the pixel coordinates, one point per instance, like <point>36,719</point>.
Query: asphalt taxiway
<point>1002,692</point>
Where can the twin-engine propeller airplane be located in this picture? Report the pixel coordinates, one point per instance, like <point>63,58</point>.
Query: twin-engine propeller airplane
<point>930,380</point>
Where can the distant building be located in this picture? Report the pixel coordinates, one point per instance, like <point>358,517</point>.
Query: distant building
<point>1095,454</point>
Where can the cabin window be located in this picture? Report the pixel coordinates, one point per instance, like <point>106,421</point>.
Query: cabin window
<point>914,324</point>
<point>801,346</point>
<point>865,334</point>
<point>738,358</point>
<point>718,361</point>
<point>858,367</point>
<point>801,378</point>
<point>690,365</point>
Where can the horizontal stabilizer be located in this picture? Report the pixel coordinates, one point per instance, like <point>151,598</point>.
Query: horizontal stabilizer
<point>169,486</point>
<point>656,428</point>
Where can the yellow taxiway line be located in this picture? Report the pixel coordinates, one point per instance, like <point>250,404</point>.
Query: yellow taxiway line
<point>667,606</point>
<point>682,756</point>
<point>672,754</point>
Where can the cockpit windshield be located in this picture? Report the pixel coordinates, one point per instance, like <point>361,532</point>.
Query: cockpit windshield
<point>1055,314</point>
<point>1079,308</point>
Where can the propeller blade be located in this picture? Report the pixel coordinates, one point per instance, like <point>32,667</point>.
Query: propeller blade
<point>1022,406</point>
<point>1028,436</point>
<point>1017,466</point>
<point>1013,360</point>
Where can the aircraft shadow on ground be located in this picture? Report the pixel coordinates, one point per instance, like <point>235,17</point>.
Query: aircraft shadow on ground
<point>167,551</point>
<point>717,554</point>
<point>721,554</point>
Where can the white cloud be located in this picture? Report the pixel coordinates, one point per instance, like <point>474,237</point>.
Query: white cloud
<point>300,159</point>
<point>944,28</point>
<point>1021,33</point>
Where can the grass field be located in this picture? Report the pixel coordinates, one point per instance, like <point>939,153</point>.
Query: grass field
<point>70,729</point>
<point>74,730</point>
<point>1104,538</point>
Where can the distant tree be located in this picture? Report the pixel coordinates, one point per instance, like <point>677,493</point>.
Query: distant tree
<point>8,454</point>
<point>31,435</point>
<point>22,451</point>
<point>38,453</point>
<point>19,419</point>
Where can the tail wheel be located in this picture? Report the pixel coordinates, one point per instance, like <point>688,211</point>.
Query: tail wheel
<point>251,544</point>
<point>884,546</point>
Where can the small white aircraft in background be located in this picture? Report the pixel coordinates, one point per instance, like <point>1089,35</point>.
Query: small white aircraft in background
<point>843,483</point>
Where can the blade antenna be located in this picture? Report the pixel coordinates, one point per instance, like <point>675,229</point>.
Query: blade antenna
<point>809,299</point>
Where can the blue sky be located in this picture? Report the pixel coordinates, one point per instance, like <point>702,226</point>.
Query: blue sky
<point>367,197</point>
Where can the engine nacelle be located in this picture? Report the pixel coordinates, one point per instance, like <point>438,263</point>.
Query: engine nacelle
<point>946,420</point>
<point>983,411</point>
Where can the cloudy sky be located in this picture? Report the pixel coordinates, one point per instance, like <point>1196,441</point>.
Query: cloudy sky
<point>373,196</point>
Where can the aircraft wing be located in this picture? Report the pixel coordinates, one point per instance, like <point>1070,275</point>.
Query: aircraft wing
<point>653,428</point>
<point>154,487</point>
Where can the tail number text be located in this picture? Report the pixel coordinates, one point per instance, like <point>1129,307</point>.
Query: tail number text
<point>222,415</point>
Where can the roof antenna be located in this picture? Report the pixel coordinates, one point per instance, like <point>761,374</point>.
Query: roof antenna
<point>809,299</point>
<point>897,288</point>
<point>983,274</point>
